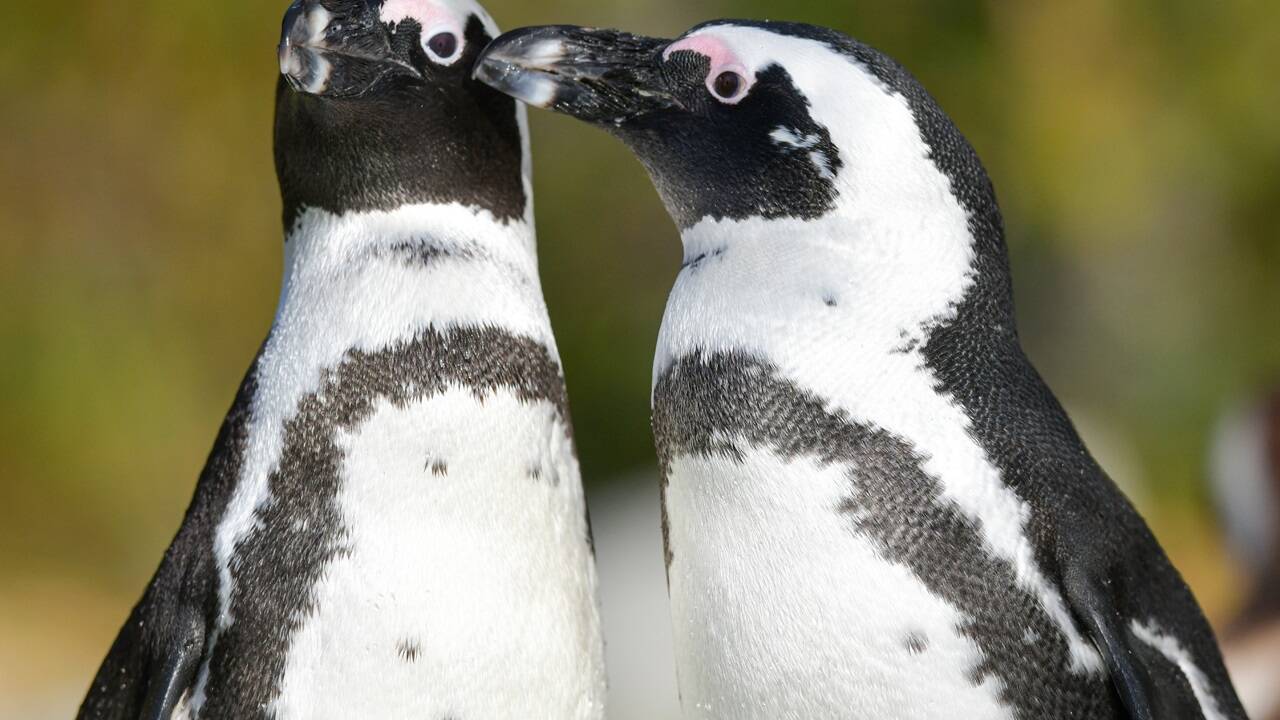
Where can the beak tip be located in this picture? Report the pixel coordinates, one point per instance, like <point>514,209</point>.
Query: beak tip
<point>526,85</point>
<point>483,68</point>
<point>288,63</point>
<point>524,70</point>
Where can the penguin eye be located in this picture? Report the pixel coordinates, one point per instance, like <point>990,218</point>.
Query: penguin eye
<point>443,46</point>
<point>728,86</point>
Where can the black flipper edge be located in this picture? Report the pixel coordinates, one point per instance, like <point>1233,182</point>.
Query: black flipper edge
<point>177,671</point>
<point>1105,627</point>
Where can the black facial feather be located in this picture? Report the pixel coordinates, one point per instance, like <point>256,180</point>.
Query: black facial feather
<point>949,150</point>
<point>718,161</point>
<point>443,138</point>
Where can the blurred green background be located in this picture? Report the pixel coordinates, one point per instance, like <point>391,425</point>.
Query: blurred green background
<point>1135,146</point>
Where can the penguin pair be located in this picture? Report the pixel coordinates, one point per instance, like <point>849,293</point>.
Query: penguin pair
<point>873,507</point>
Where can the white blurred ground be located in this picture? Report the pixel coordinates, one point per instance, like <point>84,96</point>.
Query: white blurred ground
<point>633,588</point>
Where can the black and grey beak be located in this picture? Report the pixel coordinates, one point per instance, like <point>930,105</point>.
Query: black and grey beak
<point>337,48</point>
<point>600,76</point>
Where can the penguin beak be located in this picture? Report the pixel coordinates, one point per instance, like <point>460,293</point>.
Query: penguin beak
<point>604,77</point>
<point>337,48</point>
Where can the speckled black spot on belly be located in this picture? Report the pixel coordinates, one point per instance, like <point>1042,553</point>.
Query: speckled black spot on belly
<point>408,650</point>
<point>916,643</point>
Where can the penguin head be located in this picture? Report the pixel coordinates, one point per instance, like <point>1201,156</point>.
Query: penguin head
<point>739,120</point>
<point>812,160</point>
<point>376,108</point>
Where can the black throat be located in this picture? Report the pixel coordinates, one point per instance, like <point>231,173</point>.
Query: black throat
<point>443,139</point>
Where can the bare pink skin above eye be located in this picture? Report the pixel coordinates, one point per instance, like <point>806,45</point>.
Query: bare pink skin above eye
<point>708,45</point>
<point>426,13</point>
<point>433,17</point>
<point>723,59</point>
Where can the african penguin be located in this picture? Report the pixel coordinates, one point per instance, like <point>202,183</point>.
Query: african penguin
<point>391,523</point>
<point>874,506</point>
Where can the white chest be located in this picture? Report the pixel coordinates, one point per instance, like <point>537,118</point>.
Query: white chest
<point>468,590</point>
<point>826,326</point>
<point>781,611</point>
<point>462,584</point>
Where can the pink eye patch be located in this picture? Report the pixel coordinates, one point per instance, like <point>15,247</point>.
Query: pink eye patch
<point>426,13</point>
<point>432,17</point>
<point>722,57</point>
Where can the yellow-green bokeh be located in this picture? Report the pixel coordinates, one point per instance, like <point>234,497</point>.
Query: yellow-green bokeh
<point>1135,147</point>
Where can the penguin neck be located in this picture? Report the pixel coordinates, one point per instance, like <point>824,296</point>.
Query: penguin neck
<point>321,240</point>
<point>379,277</point>
<point>413,146</point>
<point>870,278</point>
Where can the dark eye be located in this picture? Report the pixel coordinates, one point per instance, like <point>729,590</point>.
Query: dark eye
<point>727,84</point>
<point>443,45</point>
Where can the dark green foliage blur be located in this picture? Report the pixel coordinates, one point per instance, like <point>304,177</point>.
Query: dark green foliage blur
<point>1135,146</point>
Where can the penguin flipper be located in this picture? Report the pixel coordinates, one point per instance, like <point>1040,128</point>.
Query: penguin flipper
<point>146,674</point>
<point>176,670</point>
<point>1105,628</point>
<point>1149,684</point>
<point>157,653</point>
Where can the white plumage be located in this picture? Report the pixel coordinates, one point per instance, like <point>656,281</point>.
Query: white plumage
<point>460,561</point>
<point>894,258</point>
